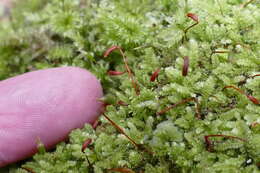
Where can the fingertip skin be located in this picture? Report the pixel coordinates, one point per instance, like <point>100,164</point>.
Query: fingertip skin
<point>46,105</point>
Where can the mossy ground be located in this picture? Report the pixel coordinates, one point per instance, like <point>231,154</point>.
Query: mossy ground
<point>223,50</point>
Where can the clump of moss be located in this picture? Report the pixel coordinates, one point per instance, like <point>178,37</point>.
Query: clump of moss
<point>198,65</point>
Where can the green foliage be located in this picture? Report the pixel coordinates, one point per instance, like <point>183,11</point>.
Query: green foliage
<point>43,34</point>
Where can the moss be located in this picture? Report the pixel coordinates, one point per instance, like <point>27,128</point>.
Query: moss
<point>223,50</point>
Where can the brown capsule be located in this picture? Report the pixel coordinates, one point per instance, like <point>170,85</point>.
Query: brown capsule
<point>155,75</point>
<point>253,99</point>
<point>120,102</point>
<point>115,73</point>
<point>193,16</point>
<point>185,67</point>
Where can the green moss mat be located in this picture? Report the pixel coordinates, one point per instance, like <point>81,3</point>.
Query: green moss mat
<point>222,50</point>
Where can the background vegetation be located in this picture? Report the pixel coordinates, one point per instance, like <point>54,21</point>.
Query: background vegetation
<point>223,50</point>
